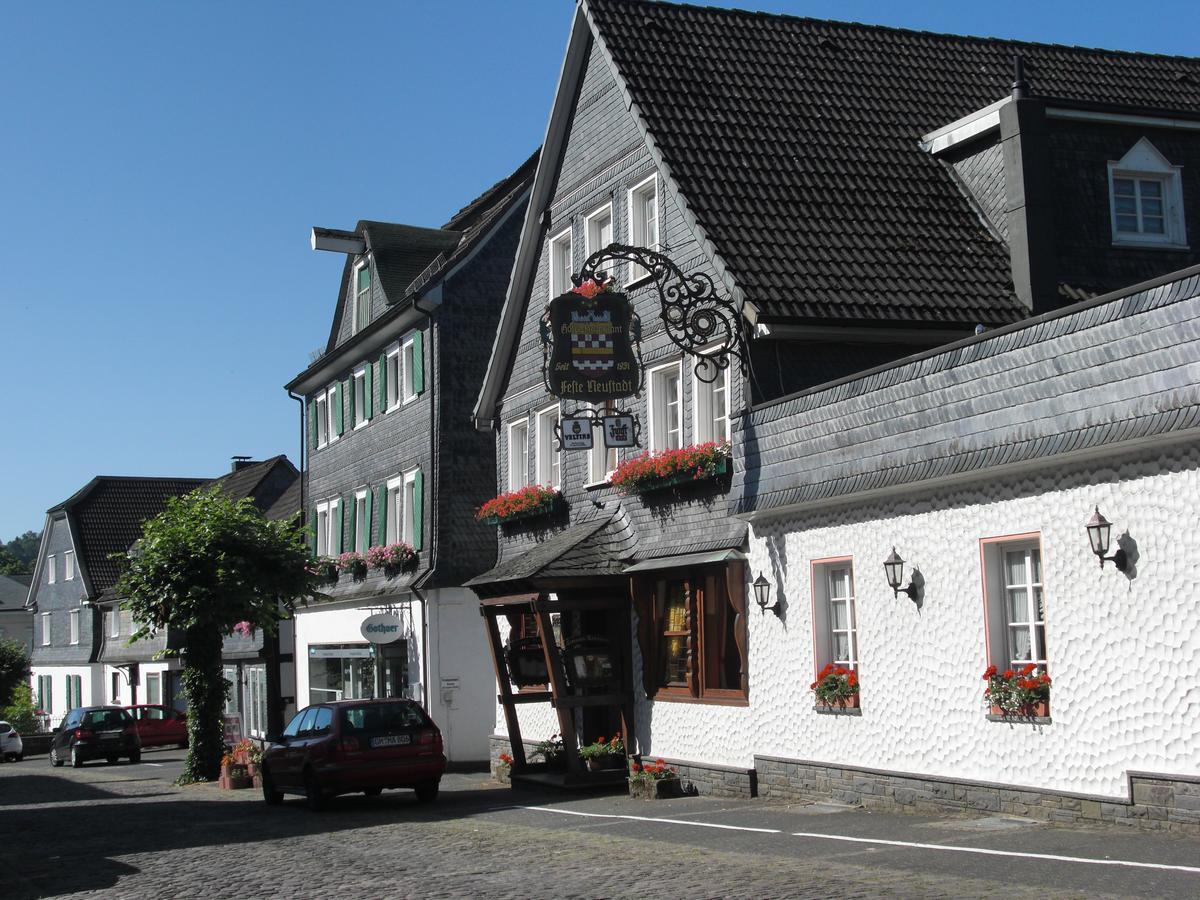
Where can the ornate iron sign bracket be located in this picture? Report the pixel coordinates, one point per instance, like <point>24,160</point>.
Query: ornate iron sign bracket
<point>596,417</point>
<point>692,312</point>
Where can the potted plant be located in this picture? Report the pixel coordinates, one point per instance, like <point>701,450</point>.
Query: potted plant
<point>526,503</point>
<point>601,755</point>
<point>392,558</point>
<point>502,771</point>
<point>551,751</point>
<point>354,563</point>
<point>234,775</point>
<point>668,468</point>
<point>1023,692</point>
<point>653,781</point>
<point>325,568</point>
<point>836,686</point>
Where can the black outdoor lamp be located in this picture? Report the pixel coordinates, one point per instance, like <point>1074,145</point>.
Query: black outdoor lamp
<point>1099,530</point>
<point>762,595</point>
<point>893,566</point>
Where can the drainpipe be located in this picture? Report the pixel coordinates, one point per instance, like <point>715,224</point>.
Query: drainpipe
<point>433,495</point>
<point>275,716</point>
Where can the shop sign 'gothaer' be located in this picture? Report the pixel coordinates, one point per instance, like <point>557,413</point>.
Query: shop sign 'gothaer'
<point>592,334</point>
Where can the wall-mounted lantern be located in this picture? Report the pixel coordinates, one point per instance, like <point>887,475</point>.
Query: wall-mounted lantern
<point>893,567</point>
<point>1099,530</point>
<point>762,595</point>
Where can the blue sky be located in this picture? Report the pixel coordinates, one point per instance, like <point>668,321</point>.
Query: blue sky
<point>161,164</point>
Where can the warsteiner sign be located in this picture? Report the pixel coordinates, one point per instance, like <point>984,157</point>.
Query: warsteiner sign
<point>592,339</point>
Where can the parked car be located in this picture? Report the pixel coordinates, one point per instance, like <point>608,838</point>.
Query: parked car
<point>95,732</point>
<point>159,726</point>
<point>354,745</point>
<point>11,748</point>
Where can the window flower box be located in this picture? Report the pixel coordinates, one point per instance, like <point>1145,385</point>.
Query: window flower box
<point>392,558</point>
<point>836,687</point>
<point>325,569</point>
<point>527,503</point>
<point>1022,693</point>
<point>352,563</point>
<point>670,468</point>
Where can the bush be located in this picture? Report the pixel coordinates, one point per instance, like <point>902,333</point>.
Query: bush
<point>20,712</point>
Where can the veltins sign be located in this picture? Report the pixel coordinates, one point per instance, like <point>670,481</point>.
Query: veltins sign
<point>577,434</point>
<point>381,628</point>
<point>591,347</point>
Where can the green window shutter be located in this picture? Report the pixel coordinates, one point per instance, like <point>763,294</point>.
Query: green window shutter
<point>368,518</point>
<point>383,381</point>
<point>348,505</point>
<point>313,542</point>
<point>381,513</point>
<point>341,528</point>
<point>418,373</point>
<point>337,408</point>
<point>348,388</point>
<point>369,391</point>
<point>312,425</point>
<point>418,508</point>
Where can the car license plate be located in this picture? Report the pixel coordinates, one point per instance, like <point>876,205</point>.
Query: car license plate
<point>391,740</point>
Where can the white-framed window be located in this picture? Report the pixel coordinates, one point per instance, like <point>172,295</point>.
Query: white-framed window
<point>1016,603</point>
<point>393,377</point>
<point>598,230</point>
<point>74,626</point>
<point>518,454</point>
<point>361,316</point>
<point>835,613</point>
<point>69,565</point>
<point>358,382</point>
<point>710,402</point>
<point>602,460</point>
<point>1146,199</point>
<point>233,694</point>
<point>153,688</point>
<point>328,413</point>
<point>408,534</point>
<point>362,520</point>
<point>549,465</point>
<point>256,700</point>
<point>412,360</point>
<point>643,221</point>
<point>45,629</point>
<point>114,622</point>
<point>329,528</point>
<point>560,263</point>
<point>666,407</point>
<point>51,570</point>
<point>393,516</point>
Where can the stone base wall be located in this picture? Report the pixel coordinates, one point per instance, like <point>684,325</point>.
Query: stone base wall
<point>717,781</point>
<point>1158,802</point>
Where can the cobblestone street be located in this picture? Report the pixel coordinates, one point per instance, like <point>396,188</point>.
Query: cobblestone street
<point>125,831</point>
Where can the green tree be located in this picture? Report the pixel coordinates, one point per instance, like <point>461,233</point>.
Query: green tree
<point>24,549</point>
<point>203,565</point>
<point>9,564</point>
<point>19,712</point>
<point>14,667</point>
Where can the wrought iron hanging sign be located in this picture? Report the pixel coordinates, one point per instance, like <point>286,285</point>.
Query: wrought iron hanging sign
<point>592,335</point>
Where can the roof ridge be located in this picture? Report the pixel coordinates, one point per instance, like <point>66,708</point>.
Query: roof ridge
<point>868,26</point>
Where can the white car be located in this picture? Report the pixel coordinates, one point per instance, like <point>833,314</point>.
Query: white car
<point>11,748</point>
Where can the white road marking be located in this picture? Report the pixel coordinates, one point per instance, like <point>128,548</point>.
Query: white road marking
<point>1086,860</point>
<point>569,812</point>
<point>156,765</point>
<point>988,852</point>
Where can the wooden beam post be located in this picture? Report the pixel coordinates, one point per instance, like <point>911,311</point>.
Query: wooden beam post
<point>558,687</point>
<point>506,694</point>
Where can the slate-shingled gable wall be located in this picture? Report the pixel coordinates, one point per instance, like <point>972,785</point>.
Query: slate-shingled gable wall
<point>59,599</point>
<point>603,157</point>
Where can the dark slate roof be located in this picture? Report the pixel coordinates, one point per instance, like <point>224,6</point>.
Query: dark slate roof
<point>599,546</point>
<point>254,480</point>
<point>14,591</point>
<point>288,504</point>
<point>401,252</point>
<point>1104,372</point>
<point>795,144</point>
<point>718,534</point>
<point>107,515</point>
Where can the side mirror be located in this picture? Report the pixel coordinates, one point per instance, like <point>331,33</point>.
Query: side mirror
<point>276,739</point>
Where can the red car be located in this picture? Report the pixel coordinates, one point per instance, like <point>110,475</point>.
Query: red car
<point>159,726</point>
<point>351,746</point>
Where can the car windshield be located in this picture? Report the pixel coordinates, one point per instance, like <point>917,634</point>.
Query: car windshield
<point>106,718</point>
<point>379,717</point>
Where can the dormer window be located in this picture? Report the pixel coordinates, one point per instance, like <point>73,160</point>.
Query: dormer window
<point>362,297</point>
<point>1146,199</point>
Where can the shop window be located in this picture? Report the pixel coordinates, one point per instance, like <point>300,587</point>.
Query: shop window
<point>835,615</point>
<point>340,672</point>
<point>1146,199</point>
<point>692,628</point>
<point>1015,602</point>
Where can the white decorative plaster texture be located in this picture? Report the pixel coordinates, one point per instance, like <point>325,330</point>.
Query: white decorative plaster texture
<point>1124,652</point>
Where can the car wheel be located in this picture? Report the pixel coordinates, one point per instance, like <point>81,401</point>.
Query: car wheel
<point>373,792</point>
<point>135,757</point>
<point>313,795</point>
<point>18,757</point>
<point>427,791</point>
<point>271,796</point>
<point>54,760</point>
<point>76,759</point>
<point>112,760</point>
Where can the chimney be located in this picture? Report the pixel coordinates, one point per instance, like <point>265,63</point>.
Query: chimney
<point>1029,201</point>
<point>240,462</point>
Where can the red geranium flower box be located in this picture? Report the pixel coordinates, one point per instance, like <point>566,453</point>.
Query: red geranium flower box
<point>667,468</point>
<point>526,503</point>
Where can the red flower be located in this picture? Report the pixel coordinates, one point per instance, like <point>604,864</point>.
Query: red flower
<point>989,672</point>
<point>588,289</point>
<point>1009,673</point>
<point>1028,669</point>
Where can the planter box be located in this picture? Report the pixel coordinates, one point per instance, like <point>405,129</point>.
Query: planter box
<point>235,778</point>
<point>848,703</point>
<point>606,763</point>
<point>1039,710</point>
<point>680,479</point>
<point>543,509</point>
<point>502,774</point>
<point>662,789</point>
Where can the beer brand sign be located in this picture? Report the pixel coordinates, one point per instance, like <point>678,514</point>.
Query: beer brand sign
<point>592,356</point>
